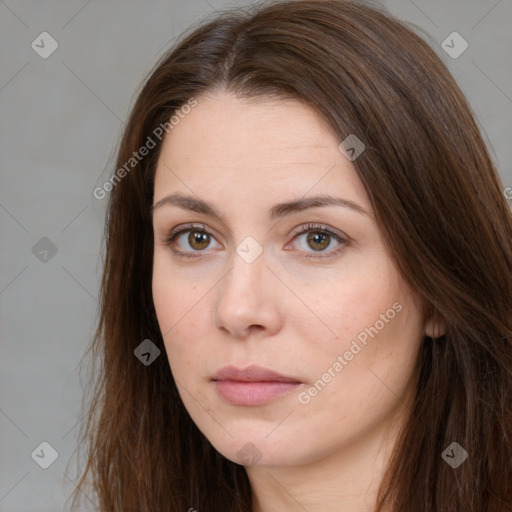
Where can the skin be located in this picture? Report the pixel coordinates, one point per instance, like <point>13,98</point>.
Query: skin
<point>283,311</point>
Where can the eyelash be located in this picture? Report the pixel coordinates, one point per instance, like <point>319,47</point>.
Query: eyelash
<point>305,229</point>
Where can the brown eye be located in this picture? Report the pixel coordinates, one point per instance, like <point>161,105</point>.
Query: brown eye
<point>318,241</point>
<point>191,240</point>
<point>198,240</point>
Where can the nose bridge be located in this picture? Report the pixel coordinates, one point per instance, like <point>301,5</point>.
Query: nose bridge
<point>248,266</point>
<point>245,296</point>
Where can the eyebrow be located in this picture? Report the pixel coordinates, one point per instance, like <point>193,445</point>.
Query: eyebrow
<point>277,211</point>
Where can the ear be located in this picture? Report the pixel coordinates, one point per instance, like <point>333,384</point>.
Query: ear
<point>435,325</point>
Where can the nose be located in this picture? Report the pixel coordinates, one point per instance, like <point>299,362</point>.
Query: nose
<point>248,299</point>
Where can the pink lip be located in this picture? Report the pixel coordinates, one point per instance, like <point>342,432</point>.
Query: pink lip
<point>253,385</point>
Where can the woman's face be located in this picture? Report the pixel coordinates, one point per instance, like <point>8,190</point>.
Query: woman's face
<point>262,274</point>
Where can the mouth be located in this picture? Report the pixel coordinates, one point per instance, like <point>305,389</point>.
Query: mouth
<point>252,386</point>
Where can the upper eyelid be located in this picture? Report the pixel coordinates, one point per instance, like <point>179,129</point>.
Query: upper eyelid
<point>300,230</point>
<point>308,226</point>
<point>187,227</point>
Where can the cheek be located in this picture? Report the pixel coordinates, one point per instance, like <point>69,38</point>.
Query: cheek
<point>180,315</point>
<point>174,297</point>
<point>356,385</point>
<point>353,302</point>
<point>372,315</point>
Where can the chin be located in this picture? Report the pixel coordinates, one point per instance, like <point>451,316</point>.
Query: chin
<point>260,450</point>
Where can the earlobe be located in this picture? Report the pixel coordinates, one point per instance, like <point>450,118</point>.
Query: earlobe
<point>435,326</point>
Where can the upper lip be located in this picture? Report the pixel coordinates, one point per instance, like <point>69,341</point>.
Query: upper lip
<point>251,373</point>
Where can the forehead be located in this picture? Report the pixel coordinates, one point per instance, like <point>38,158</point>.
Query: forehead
<point>263,146</point>
<point>237,129</point>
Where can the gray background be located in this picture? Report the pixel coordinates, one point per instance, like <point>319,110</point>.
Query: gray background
<point>60,121</point>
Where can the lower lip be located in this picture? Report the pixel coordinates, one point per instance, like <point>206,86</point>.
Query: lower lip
<point>252,393</point>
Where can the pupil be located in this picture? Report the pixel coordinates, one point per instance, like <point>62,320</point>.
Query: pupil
<point>197,238</point>
<point>319,238</point>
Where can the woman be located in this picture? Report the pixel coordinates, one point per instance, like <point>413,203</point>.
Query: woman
<point>306,300</point>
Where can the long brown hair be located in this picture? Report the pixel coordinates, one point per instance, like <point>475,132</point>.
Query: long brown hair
<point>439,204</point>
